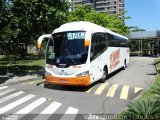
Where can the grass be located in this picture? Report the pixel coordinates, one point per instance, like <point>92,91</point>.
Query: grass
<point>32,64</point>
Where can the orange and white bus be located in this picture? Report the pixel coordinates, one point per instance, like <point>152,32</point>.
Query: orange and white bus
<point>81,53</point>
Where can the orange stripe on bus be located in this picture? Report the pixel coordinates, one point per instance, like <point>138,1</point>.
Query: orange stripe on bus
<point>73,81</point>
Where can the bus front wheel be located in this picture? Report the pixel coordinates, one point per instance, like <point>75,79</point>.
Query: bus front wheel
<point>46,84</point>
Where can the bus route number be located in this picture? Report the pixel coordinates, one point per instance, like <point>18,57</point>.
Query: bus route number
<point>75,35</point>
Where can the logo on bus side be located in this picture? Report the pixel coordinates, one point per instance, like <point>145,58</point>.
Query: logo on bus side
<point>114,59</point>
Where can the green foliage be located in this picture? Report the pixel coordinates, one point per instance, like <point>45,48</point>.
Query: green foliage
<point>143,110</point>
<point>79,14</point>
<point>157,63</point>
<point>155,89</point>
<point>24,21</point>
<point>112,22</point>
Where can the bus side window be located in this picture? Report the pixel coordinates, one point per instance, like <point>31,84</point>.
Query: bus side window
<point>98,45</point>
<point>111,41</point>
<point>116,41</point>
<point>123,42</point>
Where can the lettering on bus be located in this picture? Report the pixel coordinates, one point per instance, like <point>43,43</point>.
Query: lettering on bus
<point>49,66</point>
<point>114,59</point>
<point>76,35</point>
<point>76,66</point>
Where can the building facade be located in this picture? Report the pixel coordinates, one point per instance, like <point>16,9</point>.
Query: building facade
<point>106,6</point>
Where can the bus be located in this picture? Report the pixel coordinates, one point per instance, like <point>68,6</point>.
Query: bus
<point>81,53</point>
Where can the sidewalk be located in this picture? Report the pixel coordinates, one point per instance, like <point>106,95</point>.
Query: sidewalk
<point>8,80</point>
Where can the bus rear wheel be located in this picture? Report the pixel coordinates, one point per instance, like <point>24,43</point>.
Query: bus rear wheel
<point>104,77</point>
<point>124,66</point>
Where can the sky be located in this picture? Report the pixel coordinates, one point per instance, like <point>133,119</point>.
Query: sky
<point>144,13</point>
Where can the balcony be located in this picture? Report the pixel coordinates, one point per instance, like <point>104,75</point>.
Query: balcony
<point>121,5</point>
<point>76,1</point>
<point>100,1</point>
<point>112,12</point>
<point>86,1</point>
<point>99,5</point>
<point>100,9</point>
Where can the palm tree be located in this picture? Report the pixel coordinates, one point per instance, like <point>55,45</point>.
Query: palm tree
<point>156,90</point>
<point>143,110</point>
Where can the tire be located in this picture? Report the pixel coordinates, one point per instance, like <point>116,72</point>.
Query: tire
<point>124,65</point>
<point>46,84</point>
<point>104,77</point>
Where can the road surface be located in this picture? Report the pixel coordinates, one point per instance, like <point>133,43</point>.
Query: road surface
<point>30,100</point>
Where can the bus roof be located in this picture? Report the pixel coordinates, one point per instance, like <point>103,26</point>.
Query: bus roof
<point>84,26</point>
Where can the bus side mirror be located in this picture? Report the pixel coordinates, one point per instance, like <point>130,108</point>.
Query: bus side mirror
<point>41,38</point>
<point>39,43</point>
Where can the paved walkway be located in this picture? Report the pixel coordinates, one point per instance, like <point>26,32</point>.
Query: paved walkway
<point>16,79</point>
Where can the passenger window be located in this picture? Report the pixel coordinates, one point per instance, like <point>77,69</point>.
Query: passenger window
<point>116,41</point>
<point>111,41</point>
<point>98,45</point>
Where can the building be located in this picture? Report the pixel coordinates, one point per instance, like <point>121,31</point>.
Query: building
<point>145,43</point>
<point>106,6</point>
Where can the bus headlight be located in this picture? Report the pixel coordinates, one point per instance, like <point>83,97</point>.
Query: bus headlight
<point>86,73</point>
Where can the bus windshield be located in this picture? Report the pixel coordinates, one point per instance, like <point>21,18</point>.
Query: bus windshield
<point>67,48</point>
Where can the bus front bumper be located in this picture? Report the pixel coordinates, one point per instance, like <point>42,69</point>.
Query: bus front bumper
<point>73,81</point>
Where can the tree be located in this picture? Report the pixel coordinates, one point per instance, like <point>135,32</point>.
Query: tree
<point>112,22</point>
<point>79,14</point>
<point>6,34</point>
<point>24,21</point>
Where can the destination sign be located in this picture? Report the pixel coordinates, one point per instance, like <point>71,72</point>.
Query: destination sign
<point>75,35</point>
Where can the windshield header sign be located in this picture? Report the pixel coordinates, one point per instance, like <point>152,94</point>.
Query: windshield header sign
<point>75,35</point>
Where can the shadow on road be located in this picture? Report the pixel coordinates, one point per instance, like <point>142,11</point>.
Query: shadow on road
<point>151,74</point>
<point>3,79</point>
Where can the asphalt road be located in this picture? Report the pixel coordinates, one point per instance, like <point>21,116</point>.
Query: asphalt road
<point>30,100</point>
